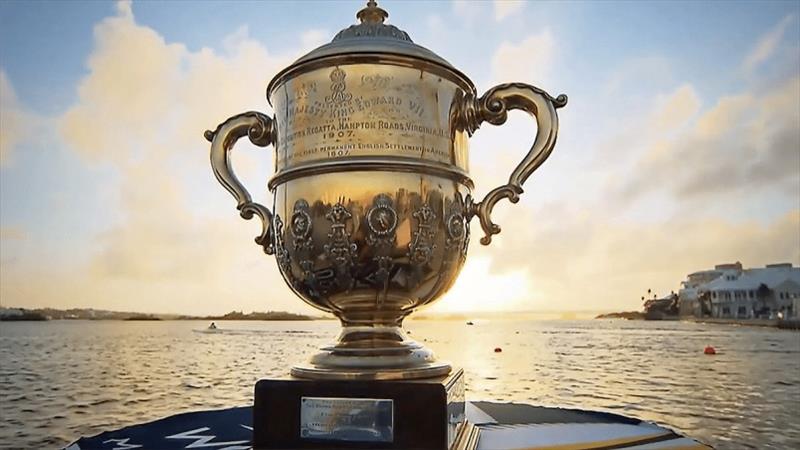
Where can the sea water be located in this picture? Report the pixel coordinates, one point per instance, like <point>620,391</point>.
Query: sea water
<point>60,380</point>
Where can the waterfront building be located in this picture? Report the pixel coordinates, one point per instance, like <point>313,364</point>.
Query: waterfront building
<point>11,312</point>
<point>689,293</point>
<point>730,291</point>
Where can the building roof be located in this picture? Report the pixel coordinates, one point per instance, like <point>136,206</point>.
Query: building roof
<point>751,279</point>
<point>706,272</point>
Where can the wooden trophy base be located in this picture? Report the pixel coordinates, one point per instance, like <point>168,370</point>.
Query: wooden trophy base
<point>426,414</point>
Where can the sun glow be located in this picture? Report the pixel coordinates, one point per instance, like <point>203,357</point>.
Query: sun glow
<point>478,289</point>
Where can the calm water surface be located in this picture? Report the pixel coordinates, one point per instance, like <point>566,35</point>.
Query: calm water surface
<point>63,379</point>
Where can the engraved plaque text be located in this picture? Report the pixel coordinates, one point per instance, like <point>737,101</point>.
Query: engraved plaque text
<point>347,419</point>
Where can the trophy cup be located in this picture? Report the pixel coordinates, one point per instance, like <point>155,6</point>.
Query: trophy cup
<point>370,221</point>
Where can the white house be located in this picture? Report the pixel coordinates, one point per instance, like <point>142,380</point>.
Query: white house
<point>688,295</point>
<point>729,291</point>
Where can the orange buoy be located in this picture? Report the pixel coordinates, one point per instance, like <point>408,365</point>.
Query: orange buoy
<point>498,349</point>
<point>709,350</point>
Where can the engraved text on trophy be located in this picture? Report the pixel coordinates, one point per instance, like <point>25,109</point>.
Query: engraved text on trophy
<point>362,111</point>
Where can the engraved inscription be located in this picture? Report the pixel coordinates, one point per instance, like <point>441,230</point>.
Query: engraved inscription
<point>375,81</point>
<point>338,86</point>
<point>347,419</point>
<point>362,110</point>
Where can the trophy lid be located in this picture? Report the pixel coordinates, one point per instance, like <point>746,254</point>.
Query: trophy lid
<point>370,37</point>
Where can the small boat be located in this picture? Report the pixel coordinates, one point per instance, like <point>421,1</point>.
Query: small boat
<point>469,322</point>
<point>502,426</point>
<point>211,329</point>
<point>207,330</point>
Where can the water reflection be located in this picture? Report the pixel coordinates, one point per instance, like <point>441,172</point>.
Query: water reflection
<point>60,380</point>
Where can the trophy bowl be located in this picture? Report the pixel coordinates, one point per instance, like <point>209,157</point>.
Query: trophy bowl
<point>371,192</point>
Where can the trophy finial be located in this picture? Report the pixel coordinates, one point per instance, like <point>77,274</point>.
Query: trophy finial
<point>372,13</point>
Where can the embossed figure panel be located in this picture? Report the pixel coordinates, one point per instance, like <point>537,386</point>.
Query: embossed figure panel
<point>370,255</point>
<point>362,110</point>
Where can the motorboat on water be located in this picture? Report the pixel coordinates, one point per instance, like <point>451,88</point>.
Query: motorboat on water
<point>212,329</point>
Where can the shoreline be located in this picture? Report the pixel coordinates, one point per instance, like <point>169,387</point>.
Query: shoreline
<point>785,324</point>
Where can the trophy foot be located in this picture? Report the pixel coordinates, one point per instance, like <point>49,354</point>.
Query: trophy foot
<point>318,372</point>
<point>373,353</point>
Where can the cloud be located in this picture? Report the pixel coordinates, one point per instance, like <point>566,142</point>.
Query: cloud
<point>143,93</point>
<point>179,246</point>
<point>312,39</point>
<point>505,8</point>
<point>593,261</point>
<point>649,73</point>
<point>17,125</point>
<point>742,143</point>
<point>531,59</point>
<point>675,110</point>
<point>767,44</point>
<point>12,233</point>
<point>133,74</point>
<point>467,10</point>
<point>141,110</point>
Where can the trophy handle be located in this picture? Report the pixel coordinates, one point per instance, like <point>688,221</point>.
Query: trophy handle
<point>493,107</point>
<point>259,129</point>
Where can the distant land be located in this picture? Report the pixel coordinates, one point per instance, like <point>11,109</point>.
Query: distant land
<point>629,315</point>
<point>505,315</point>
<point>16,314</point>
<point>12,313</point>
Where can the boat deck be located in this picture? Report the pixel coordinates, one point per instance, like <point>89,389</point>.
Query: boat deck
<point>502,425</point>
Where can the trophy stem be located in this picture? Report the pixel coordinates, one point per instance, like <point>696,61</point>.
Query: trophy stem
<point>373,352</point>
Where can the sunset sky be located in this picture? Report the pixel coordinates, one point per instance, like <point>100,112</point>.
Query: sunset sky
<point>679,148</point>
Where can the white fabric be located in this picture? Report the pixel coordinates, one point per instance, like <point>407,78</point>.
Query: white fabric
<point>531,436</point>
<point>476,415</point>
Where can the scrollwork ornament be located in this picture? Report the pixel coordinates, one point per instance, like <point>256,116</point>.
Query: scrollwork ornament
<point>465,244</point>
<point>303,244</point>
<point>382,222</point>
<point>309,277</point>
<point>301,226</point>
<point>281,253</point>
<point>420,250</point>
<point>493,107</point>
<point>454,224</point>
<point>266,238</point>
<point>261,131</point>
<point>339,248</point>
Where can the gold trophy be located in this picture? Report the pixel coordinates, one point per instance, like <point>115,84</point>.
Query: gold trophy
<point>372,192</point>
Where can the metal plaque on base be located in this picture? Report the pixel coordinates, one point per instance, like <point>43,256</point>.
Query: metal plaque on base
<point>427,414</point>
